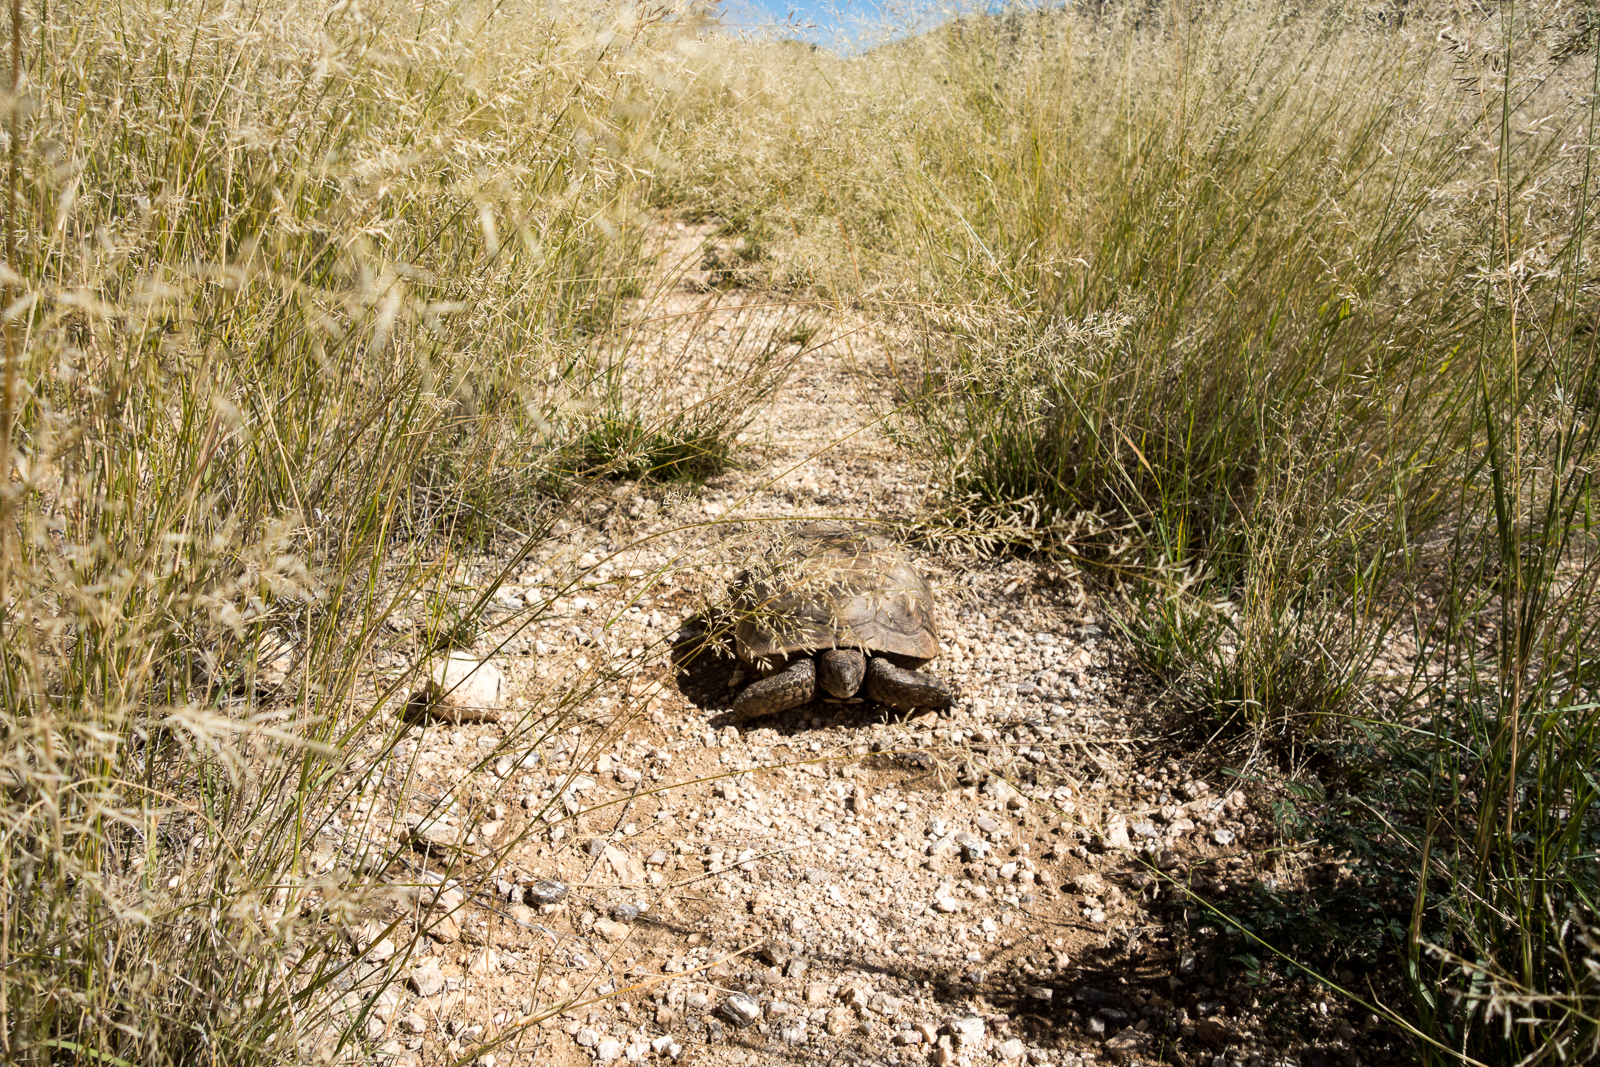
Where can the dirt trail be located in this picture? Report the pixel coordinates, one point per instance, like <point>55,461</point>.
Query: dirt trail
<point>974,887</point>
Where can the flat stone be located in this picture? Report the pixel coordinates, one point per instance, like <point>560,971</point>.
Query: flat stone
<point>966,1029</point>
<point>607,1050</point>
<point>883,1004</point>
<point>1011,1050</point>
<point>460,689</point>
<point>547,891</point>
<point>427,979</point>
<point>776,953</point>
<point>1222,837</point>
<point>1000,790</point>
<point>436,832</point>
<point>1213,1031</point>
<point>1127,1045</point>
<point>1091,884</point>
<point>856,995</point>
<point>627,868</point>
<point>972,848</point>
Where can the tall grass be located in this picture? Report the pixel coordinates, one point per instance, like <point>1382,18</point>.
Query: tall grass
<point>1296,306</point>
<point>296,294</point>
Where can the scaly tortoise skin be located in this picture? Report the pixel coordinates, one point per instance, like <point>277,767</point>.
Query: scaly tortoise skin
<point>840,610</point>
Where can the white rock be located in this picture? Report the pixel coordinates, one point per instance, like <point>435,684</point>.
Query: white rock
<point>1089,883</point>
<point>460,689</point>
<point>741,1009</point>
<point>427,979</point>
<point>856,995</point>
<point>608,1050</point>
<point>1011,1050</point>
<point>967,1030</point>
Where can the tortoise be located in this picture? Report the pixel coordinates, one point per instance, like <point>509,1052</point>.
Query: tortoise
<point>841,611</point>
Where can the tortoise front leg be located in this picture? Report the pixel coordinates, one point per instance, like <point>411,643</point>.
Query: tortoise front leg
<point>900,688</point>
<point>789,688</point>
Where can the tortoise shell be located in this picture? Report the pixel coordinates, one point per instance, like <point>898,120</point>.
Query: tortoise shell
<point>833,587</point>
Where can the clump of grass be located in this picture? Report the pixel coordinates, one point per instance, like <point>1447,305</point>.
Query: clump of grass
<point>290,287</point>
<point>644,406</point>
<point>623,447</point>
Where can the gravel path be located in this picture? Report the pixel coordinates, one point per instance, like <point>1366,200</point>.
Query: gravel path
<point>998,883</point>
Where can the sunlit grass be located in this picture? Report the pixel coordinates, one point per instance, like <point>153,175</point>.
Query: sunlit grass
<point>299,295</point>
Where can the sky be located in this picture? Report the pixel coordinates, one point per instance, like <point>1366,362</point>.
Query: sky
<point>838,24</point>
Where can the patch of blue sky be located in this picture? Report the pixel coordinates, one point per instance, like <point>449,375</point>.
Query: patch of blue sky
<point>847,26</point>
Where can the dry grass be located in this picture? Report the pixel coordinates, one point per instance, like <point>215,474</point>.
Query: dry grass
<point>310,301</point>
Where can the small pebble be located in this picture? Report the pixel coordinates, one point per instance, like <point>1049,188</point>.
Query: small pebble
<point>741,1009</point>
